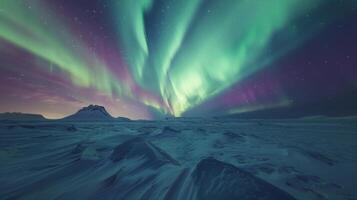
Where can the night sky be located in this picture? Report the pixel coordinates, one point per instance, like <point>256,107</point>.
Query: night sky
<point>153,58</point>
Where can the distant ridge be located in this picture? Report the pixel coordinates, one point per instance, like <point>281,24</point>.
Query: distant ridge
<point>93,113</point>
<point>21,116</point>
<point>123,119</point>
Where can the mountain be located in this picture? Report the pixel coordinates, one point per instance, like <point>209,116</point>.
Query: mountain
<point>124,119</point>
<point>21,116</point>
<point>89,113</point>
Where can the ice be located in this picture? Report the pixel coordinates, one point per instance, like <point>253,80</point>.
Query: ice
<point>311,158</point>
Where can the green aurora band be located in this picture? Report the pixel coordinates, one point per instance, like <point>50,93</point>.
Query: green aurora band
<point>199,55</point>
<point>192,52</point>
<point>29,29</point>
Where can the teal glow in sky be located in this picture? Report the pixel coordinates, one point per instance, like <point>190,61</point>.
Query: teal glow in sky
<point>151,57</point>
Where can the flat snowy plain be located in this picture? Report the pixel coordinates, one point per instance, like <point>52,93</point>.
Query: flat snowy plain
<point>179,159</point>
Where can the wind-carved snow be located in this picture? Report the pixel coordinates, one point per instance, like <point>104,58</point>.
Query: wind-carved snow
<point>178,159</point>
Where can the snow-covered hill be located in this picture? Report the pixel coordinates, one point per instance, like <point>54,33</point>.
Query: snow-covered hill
<point>90,113</point>
<point>21,117</point>
<point>94,113</point>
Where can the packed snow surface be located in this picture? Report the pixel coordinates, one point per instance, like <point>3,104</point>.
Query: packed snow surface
<point>178,159</point>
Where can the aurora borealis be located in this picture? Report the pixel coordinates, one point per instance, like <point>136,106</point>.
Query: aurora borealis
<point>152,58</point>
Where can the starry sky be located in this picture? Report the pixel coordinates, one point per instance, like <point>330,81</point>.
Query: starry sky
<point>147,59</point>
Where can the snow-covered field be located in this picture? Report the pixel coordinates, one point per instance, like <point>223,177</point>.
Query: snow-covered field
<point>179,159</point>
